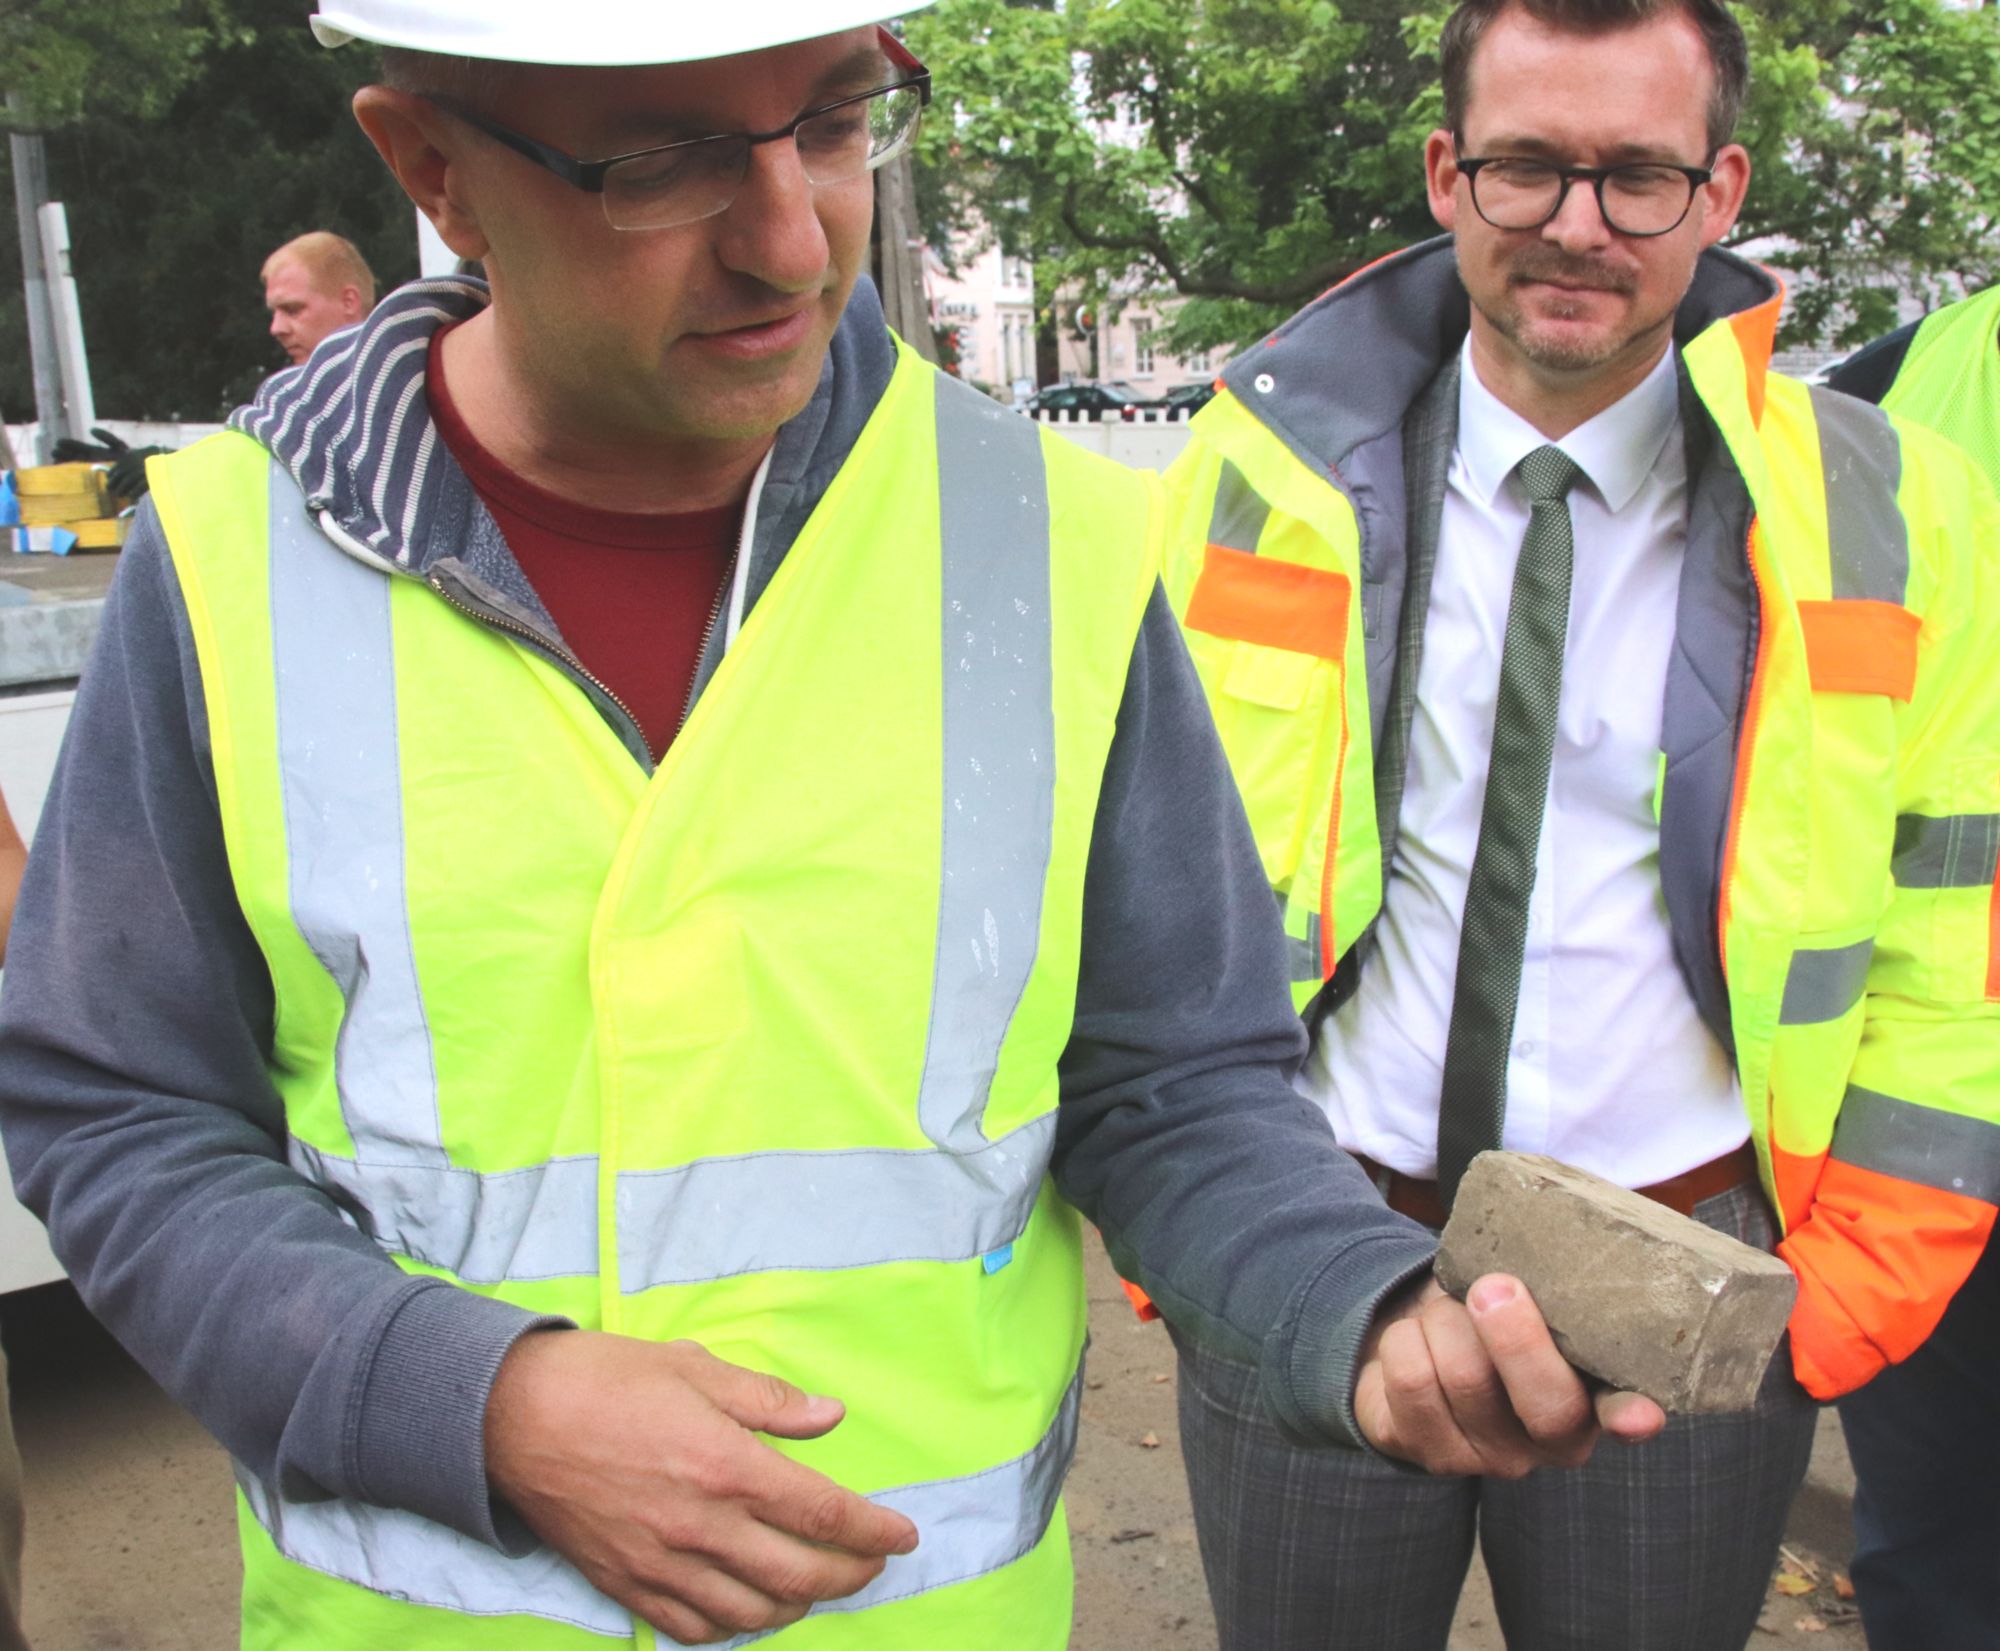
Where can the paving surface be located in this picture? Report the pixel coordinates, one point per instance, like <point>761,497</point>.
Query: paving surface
<point>54,578</point>
<point>131,1540</point>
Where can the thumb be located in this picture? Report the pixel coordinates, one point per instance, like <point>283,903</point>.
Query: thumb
<point>1371,1408</point>
<point>1630,1418</point>
<point>765,1403</point>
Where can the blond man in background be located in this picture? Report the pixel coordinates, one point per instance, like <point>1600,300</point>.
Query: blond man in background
<point>314,286</point>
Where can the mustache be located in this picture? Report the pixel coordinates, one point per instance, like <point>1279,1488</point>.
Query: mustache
<point>1551,264</point>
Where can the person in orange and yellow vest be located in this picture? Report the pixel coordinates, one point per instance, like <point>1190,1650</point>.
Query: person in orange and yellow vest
<point>1924,1435</point>
<point>1619,724</point>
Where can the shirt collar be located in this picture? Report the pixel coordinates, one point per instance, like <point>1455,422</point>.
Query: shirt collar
<point>1617,450</point>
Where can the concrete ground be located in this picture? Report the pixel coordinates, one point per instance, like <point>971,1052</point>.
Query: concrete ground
<point>131,1540</point>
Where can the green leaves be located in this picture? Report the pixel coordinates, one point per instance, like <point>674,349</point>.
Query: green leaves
<point>171,217</point>
<point>1248,153</point>
<point>1876,134</point>
<point>1244,152</point>
<point>65,58</point>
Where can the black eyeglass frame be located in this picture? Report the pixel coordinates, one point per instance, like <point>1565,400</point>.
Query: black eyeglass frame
<point>1596,176</point>
<point>589,176</point>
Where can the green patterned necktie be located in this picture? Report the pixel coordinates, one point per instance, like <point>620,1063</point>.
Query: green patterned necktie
<point>1494,933</point>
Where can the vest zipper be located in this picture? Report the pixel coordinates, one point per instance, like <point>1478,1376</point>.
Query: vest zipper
<point>562,656</point>
<point>1753,706</point>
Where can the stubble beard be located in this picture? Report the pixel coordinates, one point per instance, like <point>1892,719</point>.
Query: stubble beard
<point>1552,348</point>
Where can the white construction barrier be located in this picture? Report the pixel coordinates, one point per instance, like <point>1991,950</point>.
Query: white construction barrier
<point>1150,440</point>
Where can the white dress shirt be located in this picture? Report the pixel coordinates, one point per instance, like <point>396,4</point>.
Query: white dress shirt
<point>1612,1069</point>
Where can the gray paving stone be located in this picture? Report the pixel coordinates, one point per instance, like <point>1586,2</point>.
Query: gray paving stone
<point>1645,1298</point>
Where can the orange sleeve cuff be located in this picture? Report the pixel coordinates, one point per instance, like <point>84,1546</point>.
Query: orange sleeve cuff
<point>1878,1260</point>
<point>1142,1304</point>
<point>1830,1354</point>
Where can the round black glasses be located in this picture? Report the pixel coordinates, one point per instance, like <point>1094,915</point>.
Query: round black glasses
<point>1642,199</point>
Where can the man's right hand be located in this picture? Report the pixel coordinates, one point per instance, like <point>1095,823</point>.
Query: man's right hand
<point>639,1463</point>
<point>1478,1387</point>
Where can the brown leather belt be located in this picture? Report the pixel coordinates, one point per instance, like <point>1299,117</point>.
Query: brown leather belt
<point>1419,1200</point>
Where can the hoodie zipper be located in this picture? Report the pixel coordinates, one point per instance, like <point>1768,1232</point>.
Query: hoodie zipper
<point>562,656</point>
<point>715,612</point>
<point>723,595</point>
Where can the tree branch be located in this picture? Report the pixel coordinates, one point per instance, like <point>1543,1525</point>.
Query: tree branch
<point>1163,141</point>
<point>1308,283</point>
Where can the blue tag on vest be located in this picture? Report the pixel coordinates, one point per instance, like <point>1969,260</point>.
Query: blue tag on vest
<point>997,1259</point>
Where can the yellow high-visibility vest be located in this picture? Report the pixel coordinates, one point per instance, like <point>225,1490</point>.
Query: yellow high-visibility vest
<point>1950,379</point>
<point>759,1051</point>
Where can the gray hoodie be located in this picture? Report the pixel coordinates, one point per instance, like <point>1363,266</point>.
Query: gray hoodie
<point>135,1028</point>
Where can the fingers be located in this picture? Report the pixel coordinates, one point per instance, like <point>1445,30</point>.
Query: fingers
<point>642,1465</point>
<point>754,1398</point>
<point>710,1569</point>
<point>736,1575</point>
<point>790,1572</point>
<point>696,1604</point>
<point>1543,1390</point>
<point>1474,1394</point>
<point>1402,1405</point>
<point>808,1505</point>
<point>777,1490</point>
<point>1480,1388</point>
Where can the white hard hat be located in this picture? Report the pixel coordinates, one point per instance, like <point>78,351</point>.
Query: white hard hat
<point>594,33</point>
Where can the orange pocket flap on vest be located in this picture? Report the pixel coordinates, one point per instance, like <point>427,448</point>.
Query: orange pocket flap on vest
<point>1277,604</point>
<point>1857,647</point>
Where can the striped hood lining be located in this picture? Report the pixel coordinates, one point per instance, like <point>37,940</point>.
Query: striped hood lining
<point>350,424</point>
<point>352,428</point>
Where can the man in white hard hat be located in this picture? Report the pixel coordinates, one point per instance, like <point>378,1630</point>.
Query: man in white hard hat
<point>629,856</point>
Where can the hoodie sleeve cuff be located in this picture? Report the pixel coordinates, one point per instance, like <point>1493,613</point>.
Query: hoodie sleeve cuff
<point>419,1427</point>
<point>1312,1357</point>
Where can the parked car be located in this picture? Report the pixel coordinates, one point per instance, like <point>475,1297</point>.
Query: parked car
<point>1185,400</point>
<point>1140,398</point>
<point>1093,401</point>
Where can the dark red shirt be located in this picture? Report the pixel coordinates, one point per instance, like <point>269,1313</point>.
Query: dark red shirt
<point>631,595</point>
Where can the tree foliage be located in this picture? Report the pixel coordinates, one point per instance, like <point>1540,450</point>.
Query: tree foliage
<point>171,218</point>
<point>66,58</point>
<point>1246,154</point>
<point>1876,135</point>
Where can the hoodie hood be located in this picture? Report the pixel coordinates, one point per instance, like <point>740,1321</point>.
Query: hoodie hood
<point>353,428</point>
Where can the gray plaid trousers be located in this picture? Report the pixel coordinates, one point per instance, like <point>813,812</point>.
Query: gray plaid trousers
<point>1665,1546</point>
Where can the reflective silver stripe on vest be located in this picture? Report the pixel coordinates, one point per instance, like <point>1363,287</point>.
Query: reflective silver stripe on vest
<point>510,1226</point>
<point>970,1528</point>
<point>1953,851</point>
<point>859,1208</point>
<point>337,751</point>
<point>1240,514</point>
<point>999,750</point>
<point>1824,985</point>
<point>412,1559</point>
<point>815,1211</point>
<point>1944,1150</point>
<point>1302,959</point>
<point>1862,462</point>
